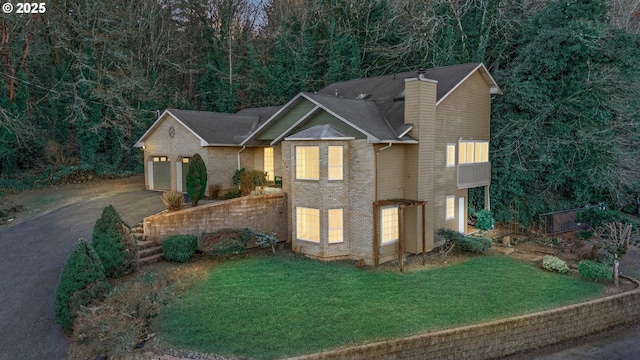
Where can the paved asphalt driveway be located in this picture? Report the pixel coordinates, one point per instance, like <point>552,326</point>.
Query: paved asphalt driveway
<point>32,254</point>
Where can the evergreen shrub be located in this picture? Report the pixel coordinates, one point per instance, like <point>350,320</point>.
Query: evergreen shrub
<point>555,264</point>
<point>464,243</point>
<point>196,179</point>
<point>594,271</point>
<point>114,244</point>
<point>225,242</point>
<point>180,247</point>
<point>484,219</point>
<point>82,280</point>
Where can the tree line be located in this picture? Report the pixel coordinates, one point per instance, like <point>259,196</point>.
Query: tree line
<point>83,81</point>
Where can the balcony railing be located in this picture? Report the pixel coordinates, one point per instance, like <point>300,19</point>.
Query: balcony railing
<point>474,175</point>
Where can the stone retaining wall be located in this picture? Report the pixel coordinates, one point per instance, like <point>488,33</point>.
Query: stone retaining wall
<point>264,213</point>
<point>503,337</point>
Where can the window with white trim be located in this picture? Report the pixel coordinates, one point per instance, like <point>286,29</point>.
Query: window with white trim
<point>388,225</point>
<point>268,163</point>
<point>335,226</point>
<point>308,162</point>
<point>450,208</point>
<point>451,155</point>
<point>335,162</point>
<point>473,152</point>
<point>308,224</point>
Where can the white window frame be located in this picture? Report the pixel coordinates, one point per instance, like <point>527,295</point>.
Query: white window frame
<point>308,224</point>
<point>269,163</point>
<point>335,168</point>
<point>306,168</point>
<point>451,155</point>
<point>389,218</point>
<point>335,226</point>
<point>450,208</point>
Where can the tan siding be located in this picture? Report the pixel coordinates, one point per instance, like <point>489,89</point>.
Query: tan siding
<point>464,114</point>
<point>390,172</point>
<point>426,153</point>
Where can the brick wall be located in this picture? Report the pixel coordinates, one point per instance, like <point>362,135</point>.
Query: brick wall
<point>265,213</point>
<point>503,337</point>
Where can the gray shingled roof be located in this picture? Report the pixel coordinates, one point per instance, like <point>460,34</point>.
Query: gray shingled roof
<point>364,115</point>
<point>387,91</point>
<point>392,86</point>
<point>319,132</point>
<point>217,128</point>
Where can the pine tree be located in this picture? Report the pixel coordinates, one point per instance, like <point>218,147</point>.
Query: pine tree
<point>81,281</point>
<point>196,179</point>
<point>114,245</point>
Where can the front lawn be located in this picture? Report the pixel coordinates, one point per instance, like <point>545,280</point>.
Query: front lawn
<point>273,307</point>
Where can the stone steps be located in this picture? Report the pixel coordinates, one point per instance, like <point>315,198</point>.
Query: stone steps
<point>148,251</point>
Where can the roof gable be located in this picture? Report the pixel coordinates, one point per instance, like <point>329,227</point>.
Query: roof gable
<point>362,117</point>
<point>212,129</point>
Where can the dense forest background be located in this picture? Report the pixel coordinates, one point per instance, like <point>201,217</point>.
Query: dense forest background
<point>82,81</point>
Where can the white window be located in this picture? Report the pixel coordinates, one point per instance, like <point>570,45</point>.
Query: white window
<point>451,155</point>
<point>335,226</point>
<point>388,225</point>
<point>160,159</point>
<point>473,152</point>
<point>335,163</point>
<point>450,209</point>
<point>268,163</point>
<point>307,162</point>
<point>308,224</point>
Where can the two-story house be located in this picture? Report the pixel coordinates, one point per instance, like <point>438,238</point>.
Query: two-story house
<point>373,167</point>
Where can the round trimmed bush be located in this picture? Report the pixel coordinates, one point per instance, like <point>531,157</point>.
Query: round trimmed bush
<point>179,248</point>
<point>82,280</point>
<point>552,263</point>
<point>594,270</point>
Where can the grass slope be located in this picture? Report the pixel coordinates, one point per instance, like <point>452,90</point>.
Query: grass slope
<point>273,307</point>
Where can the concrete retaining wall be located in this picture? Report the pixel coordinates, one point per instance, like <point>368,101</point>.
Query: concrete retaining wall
<point>503,337</point>
<point>265,213</point>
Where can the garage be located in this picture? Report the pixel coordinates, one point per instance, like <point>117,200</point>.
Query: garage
<point>160,173</point>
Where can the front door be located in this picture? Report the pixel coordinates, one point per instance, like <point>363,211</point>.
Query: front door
<point>461,218</point>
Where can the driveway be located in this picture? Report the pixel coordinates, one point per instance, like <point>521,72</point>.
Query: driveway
<point>32,253</point>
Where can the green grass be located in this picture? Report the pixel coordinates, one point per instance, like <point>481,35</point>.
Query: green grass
<point>273,307</point>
